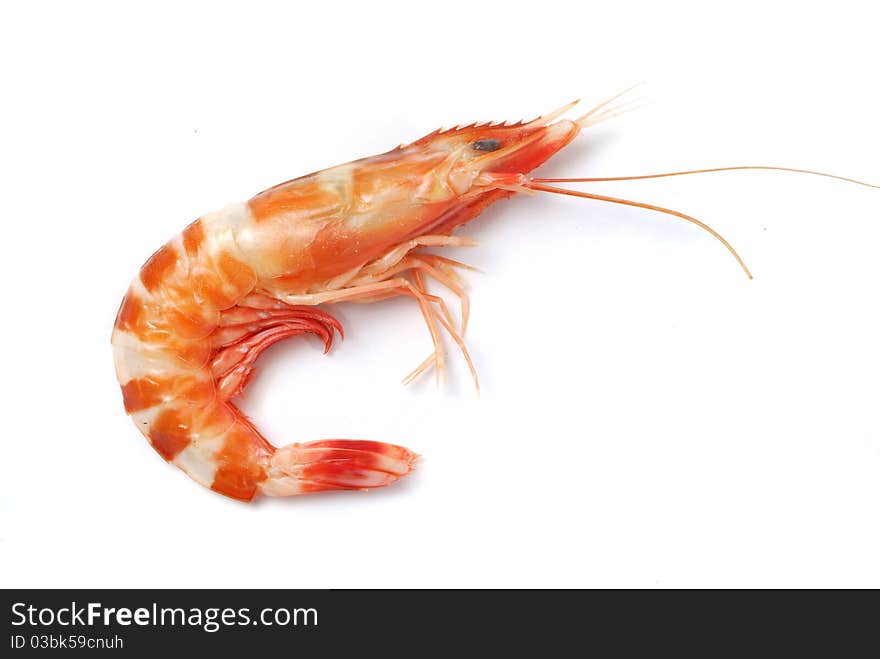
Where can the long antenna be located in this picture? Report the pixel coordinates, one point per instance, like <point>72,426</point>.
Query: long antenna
<point>704,171</point>
<point>535,184</point>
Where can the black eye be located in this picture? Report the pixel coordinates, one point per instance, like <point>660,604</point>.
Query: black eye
<point>486,145</point>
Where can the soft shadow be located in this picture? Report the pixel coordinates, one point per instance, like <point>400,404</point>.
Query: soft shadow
<point>402,488</point>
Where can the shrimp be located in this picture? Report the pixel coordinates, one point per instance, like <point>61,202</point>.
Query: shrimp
<point>204,306</point>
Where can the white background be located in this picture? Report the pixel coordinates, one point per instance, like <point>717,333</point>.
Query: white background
<point>649,417</point>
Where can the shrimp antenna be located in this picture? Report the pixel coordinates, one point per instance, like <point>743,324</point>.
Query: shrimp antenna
<point>704,171</point>
<point>534,184</point>
<point>597,114</point>
<point>606,102</point>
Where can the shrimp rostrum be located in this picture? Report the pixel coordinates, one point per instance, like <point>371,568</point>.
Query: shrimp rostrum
<point>207,303</point>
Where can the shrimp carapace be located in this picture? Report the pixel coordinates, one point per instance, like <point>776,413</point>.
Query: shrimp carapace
<point>205,306</point>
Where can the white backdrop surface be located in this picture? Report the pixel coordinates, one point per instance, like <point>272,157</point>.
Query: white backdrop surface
<point>649,417</point>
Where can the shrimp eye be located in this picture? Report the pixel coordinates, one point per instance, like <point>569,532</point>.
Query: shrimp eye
<point>486,145</point>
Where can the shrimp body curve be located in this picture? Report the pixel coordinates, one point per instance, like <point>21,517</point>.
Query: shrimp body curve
<point>208,302</point>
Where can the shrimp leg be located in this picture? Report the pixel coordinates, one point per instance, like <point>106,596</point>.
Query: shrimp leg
<point>244,333</point>
<point>383,265</point>
<point>441,270</point>
<point>374,292</point>
<point>391,288</point>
